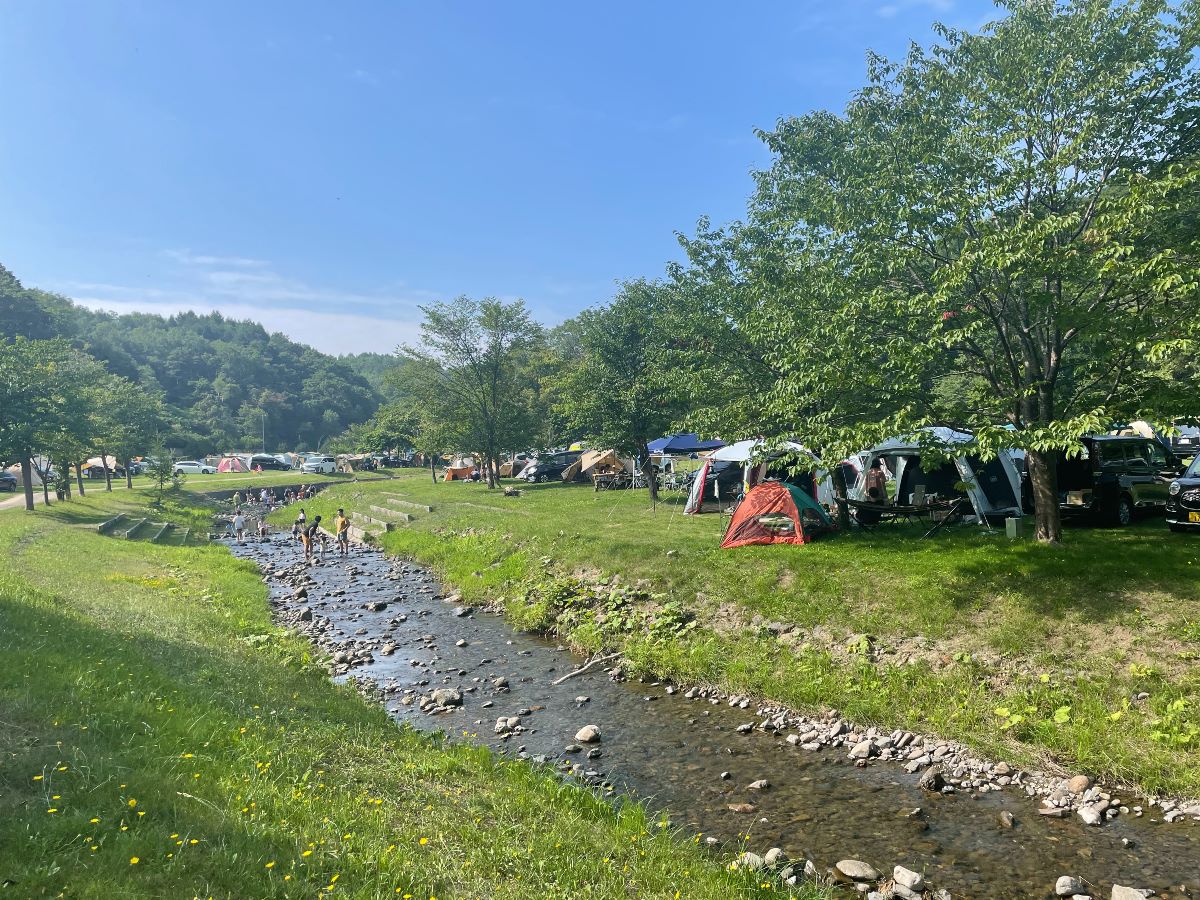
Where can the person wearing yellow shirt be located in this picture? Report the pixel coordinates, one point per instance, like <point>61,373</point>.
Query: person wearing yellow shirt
<point>341,528</point>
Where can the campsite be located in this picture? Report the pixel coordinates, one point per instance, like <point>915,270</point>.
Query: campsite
<point>640,452</point>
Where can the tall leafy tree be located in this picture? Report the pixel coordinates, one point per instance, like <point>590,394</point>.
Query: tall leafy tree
<point>978,240</point>
<point>622,391</point>
<point>473,376</point>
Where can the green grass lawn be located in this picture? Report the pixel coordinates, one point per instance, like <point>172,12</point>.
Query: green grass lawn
<point>1024,651</point>
<point>160,738</point>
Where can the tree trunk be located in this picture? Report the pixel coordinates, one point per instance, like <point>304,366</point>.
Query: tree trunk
<point>45,487</point>
<point>838,474</point>
<point>27,481</point>
<point>1043,478</point>
<point>107,473</point>
<point>648,473</point>
<point>432,470</point>
<point>129,474</point>
<point>79,478</point>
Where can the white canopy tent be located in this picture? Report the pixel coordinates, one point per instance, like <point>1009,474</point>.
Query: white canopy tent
<point>745,453</point>
<point>993,486</point>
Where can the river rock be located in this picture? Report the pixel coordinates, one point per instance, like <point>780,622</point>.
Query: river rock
<point>1093,813</point>
<point>500,682</point>
<point>447,697</point>
<point>761,785</point>
<point>744,808</point>
<point>914,881</point>
<point>1068,886</point>
<point>774,857</point>
<point>1127,893</point>
<point>856,870</point>
<point>932,780</point>
<point>1007,820</point>
<point>861,750</point>
<point>1079,784</point>
<point>750,860</point>
<point>462,611</point>
<point>588,734</point>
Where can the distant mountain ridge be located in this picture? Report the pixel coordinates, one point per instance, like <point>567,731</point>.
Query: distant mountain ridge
<point>224,381</point>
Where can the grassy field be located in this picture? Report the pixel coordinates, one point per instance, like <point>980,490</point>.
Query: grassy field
<point>1028,652</point>
<point>160,738</point>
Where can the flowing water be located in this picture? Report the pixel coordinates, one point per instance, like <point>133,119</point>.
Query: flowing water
<point>673,752</point>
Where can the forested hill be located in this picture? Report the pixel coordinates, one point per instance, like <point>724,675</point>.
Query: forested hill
<point>218,377</point>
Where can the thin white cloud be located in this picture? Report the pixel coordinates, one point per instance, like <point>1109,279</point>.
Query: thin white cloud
<point>329,332</point>
<point>334,321</point>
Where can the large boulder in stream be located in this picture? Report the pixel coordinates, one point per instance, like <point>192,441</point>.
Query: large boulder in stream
<point>447,697</point>
<point>588,734</point>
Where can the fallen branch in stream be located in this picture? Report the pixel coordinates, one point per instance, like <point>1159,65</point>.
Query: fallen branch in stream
<point>585,667</point>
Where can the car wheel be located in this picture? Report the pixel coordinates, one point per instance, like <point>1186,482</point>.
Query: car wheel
<point>542,479</point>
<point>206,471</point>
<point>1124,512</point>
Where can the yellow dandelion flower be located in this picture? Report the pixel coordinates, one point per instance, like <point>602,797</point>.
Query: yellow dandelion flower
<point>93,821</point>
<point>423,841</point>
<point>270,865</point>
<point>132,803</point>
<point>37,777</point>
<point>52,809</point>
<point>133,860</point>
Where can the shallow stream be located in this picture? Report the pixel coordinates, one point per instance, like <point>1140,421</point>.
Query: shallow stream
<point>673,752</point>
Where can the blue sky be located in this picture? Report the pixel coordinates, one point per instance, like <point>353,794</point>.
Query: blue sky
<point>326,168</point>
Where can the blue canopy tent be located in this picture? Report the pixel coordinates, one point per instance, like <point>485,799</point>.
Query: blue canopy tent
<point>683,444</point>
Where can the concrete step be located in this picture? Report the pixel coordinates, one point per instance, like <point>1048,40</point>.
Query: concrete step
<point>132,532</point>
<point>398,500</point>
<point>364,520</point>
<point>394,513</point>
<point>158,535</point>
<point>109,524</point>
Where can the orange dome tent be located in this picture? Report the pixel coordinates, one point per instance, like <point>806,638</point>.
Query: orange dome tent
<point>776,513</point>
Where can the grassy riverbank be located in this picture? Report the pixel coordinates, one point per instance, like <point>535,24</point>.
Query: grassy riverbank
<point>159,737</point>
<point>1029,653</point>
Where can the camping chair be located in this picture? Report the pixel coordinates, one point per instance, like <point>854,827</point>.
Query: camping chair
<point>868,516</point>
<point>951,512</point>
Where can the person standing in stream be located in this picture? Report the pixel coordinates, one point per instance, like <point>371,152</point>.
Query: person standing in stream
<point>301,522</point>
<point>308,535</point>
<point>341,528</point>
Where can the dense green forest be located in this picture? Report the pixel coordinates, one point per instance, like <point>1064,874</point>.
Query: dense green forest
<point>222,381</point>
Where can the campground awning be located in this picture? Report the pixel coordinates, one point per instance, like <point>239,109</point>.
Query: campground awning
<point>683,443</point>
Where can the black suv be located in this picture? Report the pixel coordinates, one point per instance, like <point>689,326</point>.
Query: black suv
<point>266,462</point>
<point>549,467</point>
<point>1183,499</point>
<point>1115,476</point>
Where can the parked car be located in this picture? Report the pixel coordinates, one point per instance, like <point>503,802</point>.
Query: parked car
<point>192,467</point>
<point>1183,499</point>
<point>117,471</point>
<point>267,462</point>
<point>137,467</point>
<point>1114,477</point>
<point>8,481</point>
<point>550,467</point>
<point>390,462</point>
<point>319,465</point>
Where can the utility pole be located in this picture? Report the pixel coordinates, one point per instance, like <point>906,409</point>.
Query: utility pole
<point>264,429</point>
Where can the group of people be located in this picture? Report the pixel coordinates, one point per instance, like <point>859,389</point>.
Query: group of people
<point>238,525</point>
<point>309,533</point>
